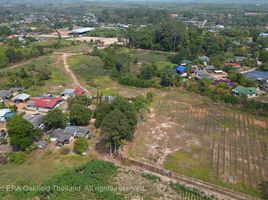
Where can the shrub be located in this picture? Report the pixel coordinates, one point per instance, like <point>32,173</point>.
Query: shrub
<point>65,150</point>
<point>17,157</point>
<point>3,141</point>
<point>80,145</point>
<point>150,176</point>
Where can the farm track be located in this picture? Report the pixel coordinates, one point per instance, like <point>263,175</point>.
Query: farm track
<point>19,64</point>
<point>70,72</point>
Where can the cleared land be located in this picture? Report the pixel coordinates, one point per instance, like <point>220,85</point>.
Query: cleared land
<point>187,133</point>
<point>191,135</point>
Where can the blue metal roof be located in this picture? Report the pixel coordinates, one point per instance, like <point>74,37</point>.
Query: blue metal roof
<point>180,68</point>
<point>257,75</point>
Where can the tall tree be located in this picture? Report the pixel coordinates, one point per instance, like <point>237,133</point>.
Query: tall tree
<point>115,128</point>
<point>21,132</point>
<point>55,119</point>
<point>79,114</point>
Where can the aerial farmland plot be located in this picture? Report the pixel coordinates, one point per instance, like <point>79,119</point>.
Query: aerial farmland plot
<point>194,136</point>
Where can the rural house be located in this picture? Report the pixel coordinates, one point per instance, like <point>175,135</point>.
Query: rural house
<point>204,60</point>
<point>35,120</point>
<point>5,114</point>
<point>244,91</point>
<point>83,132</point>
<point>210,68</point>
<point>4,95</point>
<point>72,92</point>
<point>63,136</point>
<point>43,104</point>
<point>15,90</point>
<point>21,98</point>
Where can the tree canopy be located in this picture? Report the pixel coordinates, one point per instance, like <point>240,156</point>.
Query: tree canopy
<point>55,119</point>
<point>79,114</point>
<point>21,132</point>
<point>115,128</point>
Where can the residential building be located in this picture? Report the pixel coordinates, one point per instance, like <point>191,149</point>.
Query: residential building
<point>244,91</point>
<point>21,98</point>
<point>5,94</point>
<point>71,92</point>
<point>43,104</point>
<point>5,114</point>
<point>83,132</point>
<point>210,68</point>
<point>35,120</point>
<point>81,31</point>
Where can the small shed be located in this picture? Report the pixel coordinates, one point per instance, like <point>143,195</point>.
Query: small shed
<point>41,144</point>
<point>180,69</point>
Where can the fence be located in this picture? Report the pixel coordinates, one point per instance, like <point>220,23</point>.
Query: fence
<point>186,180</point>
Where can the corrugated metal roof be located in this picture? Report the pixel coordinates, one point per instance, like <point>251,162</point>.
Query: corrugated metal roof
<point>67,91</point>
<point>3,112</point>
<point>81,30</point>
<point>21,97</point>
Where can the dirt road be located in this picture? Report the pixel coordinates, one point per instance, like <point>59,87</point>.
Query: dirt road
<point>76,83</point>
<point>19,64</point>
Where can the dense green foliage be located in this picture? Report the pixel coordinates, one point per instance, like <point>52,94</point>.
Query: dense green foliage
<point>21,132</point>
<point>79,114</point>
<point>222,92</point>
<point>88,181</point>
<point>26,77</point>
<point>55,119</point>
<point>17,157</point>
<point>12,54</point>
<point>80,145</point>
<point>115,128</point>
<point>89,177</point>
<point>188,192</point>
<point>81,99</point>
<point>117,121</point>
<point>138,15</point>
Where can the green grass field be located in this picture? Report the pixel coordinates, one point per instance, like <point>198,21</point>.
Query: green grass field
<point>58,77</point>
<point>39,166</point>
<point>86,67</point>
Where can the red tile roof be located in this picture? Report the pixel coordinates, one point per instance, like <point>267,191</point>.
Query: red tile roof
<point>46,102</point>
<point>78,91</point>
